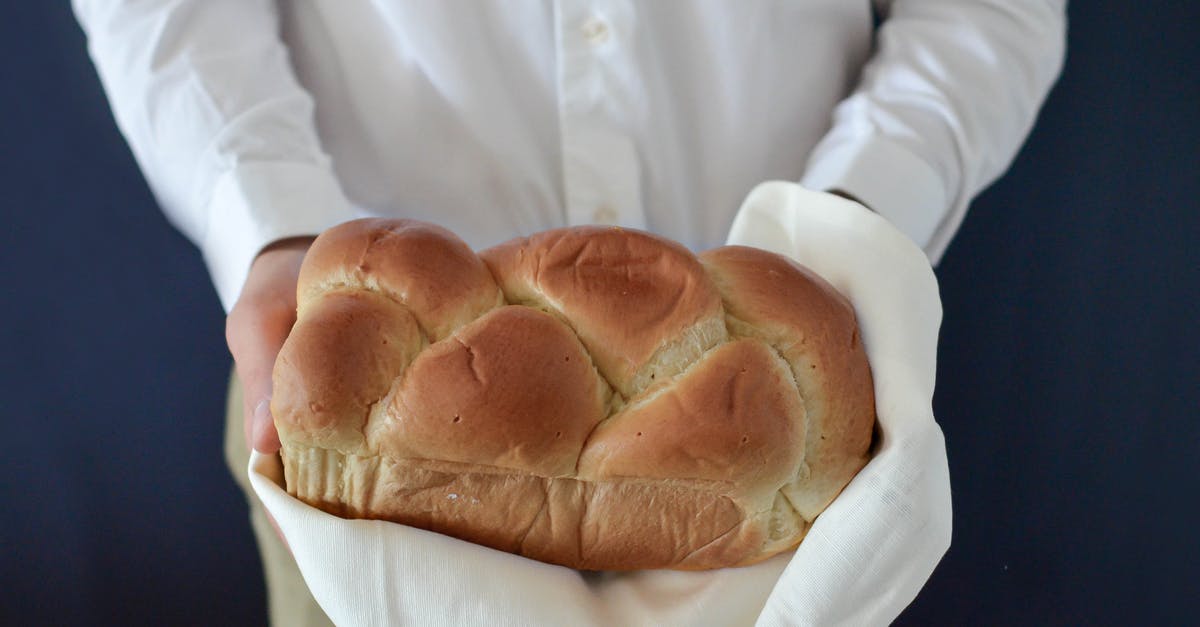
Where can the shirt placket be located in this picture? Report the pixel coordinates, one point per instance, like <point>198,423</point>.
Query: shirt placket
<point>600,163</point>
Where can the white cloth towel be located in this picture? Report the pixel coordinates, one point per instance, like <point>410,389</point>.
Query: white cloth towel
<point>863,561</point>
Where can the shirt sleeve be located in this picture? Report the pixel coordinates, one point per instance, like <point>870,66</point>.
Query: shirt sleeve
<point>206,98</point>
<point>941,108</point>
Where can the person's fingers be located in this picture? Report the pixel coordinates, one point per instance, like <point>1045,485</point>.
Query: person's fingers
<point>264,436</point>
<point>255,331</point>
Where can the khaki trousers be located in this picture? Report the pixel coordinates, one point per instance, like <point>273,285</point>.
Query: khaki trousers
<point>289,603</point>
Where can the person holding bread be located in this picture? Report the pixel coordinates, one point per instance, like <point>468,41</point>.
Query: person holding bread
<point>261,124</point>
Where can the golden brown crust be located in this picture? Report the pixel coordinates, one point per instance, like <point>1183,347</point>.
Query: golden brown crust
<point>458,400</point>
<point>425,267</point>
<point>734,417</point>
<point>339,360</point>
<point>593,397</point>
<point>813,327</point>
<point>625,293</point>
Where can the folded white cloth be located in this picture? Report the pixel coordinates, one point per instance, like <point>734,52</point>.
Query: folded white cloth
<point>863,561</point>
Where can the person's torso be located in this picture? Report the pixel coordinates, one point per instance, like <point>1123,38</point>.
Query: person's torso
<point>496,118</point>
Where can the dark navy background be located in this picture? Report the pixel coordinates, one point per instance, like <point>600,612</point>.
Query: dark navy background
<point>1069,373</point>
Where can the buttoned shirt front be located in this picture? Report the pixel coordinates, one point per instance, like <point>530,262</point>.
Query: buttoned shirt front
<point>255,120</point>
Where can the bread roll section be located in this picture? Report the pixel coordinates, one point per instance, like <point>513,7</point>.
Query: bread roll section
<point>593,397</point>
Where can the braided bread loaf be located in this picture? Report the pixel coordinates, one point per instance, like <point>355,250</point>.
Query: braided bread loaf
<point>594,397</point>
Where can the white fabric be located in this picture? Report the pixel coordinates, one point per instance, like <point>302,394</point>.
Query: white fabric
<point>497,118</point>
<point>862,562</point>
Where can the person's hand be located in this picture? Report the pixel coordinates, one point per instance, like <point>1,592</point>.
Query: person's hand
<point>256,328</point>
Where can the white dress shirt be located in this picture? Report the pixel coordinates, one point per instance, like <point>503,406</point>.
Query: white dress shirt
<point>255,120</point>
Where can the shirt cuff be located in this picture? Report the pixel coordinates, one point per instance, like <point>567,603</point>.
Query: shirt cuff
<point>258,203</point>
<point>891,180</point>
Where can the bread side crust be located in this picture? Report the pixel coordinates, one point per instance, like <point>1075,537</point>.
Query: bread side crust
<point>588,525</point>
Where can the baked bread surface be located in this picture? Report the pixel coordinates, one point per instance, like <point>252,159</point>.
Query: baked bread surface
<point>595,397</point>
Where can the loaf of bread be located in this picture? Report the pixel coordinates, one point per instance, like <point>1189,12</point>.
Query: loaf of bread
<point>595,397</point>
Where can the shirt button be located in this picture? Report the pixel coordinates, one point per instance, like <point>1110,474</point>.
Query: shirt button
<point>605,215</point>
<point>596,31</point>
